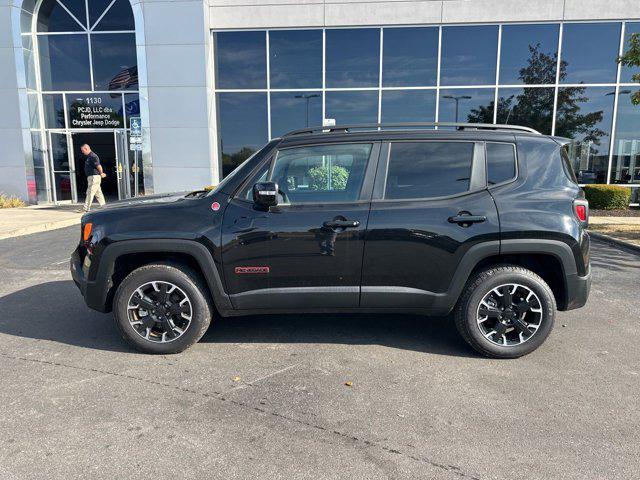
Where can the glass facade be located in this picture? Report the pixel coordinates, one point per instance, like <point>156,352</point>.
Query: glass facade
<point>559,78</point>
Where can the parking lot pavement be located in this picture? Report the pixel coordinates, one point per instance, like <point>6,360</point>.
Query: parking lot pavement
<point>265,397</point>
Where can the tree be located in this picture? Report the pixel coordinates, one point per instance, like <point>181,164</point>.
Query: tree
<point>631,58</point>
<point>534,106</point>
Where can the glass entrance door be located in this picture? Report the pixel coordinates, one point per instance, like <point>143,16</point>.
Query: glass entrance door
<point>62,168</point>
<point>122,165</point>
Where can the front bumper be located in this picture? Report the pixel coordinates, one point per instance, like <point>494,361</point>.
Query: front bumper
<point>578,289</point>
<point>93,292</point>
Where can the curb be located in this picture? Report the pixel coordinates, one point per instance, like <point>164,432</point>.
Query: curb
<point>631,247</point>
<point>43,227</point>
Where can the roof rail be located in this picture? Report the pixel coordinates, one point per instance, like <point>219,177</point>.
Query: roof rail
<point>381,126</point>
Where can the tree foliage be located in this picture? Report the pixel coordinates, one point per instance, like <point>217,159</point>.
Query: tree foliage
<point>631,58</point>
<point>534,106</point>
<point>319,178</point>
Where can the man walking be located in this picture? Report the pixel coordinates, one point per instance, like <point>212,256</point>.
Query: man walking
<point>95,174</point>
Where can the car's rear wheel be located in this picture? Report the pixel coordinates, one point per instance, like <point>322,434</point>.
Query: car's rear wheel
<point>162,308</point>
<point>505,312</point>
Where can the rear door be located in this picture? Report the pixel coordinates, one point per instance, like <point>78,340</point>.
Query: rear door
<point>430,207</point>
<point>306,252</point>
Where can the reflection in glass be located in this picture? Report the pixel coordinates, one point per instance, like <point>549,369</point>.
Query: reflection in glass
<point>501,162</point>
<point>408,106</point>
<point>626,150</point>
<point>52,17</point>
<point>114,61</point>
<point>529,107</point>
<point>428,169</point>
<point>53,107</point>
<point>352,107</point>
<point>59,152</point>
<point>118,17</point>
<point>529,54</point>
<point>410,57</point>
<point>243,126</point>
<point>352,57</point>
<point>585,115</point>
<point>296,58</point>
<point>241,59</point>
<point>64,62</point>
<point>469,55</point>
<point>95,110</point>
<point>626,73</point>
<point>589,51</point>
<point>96,9</point>
<point>466,105</point>
<point>293,110</point>
<point>62,185</point>
<point>34,118</point>
<point>131,105</point>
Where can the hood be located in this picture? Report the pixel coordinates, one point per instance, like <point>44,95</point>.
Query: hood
<point>146,200</point>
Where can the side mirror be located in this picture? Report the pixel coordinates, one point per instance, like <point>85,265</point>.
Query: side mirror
<point>265,194</point>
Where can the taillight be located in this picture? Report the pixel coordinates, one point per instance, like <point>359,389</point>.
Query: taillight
<point>581,209</point>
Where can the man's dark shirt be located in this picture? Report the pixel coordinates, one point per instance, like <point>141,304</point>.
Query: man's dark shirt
<point>91,165</point>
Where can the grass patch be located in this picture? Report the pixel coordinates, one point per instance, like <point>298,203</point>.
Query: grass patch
<point>629,233</point>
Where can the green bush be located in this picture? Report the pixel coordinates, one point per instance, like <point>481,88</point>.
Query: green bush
<point>607,197</point>
<point>10,202</point>
<point>319,178</point>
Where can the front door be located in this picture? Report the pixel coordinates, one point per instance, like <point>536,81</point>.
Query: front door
<point>428,211</point>
<point>307,251</point>
<point>62,168</point>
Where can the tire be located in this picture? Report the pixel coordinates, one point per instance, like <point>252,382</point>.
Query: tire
<point>475,319</point>
<point>155,280</point>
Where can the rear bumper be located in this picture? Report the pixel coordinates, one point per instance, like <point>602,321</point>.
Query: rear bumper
<point>93,292</point>
<point>578,289</point>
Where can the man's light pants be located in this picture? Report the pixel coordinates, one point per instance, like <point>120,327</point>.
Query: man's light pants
<point>93,190</point>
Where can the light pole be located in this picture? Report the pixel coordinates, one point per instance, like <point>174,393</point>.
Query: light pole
<point>306,110</point>
<point>457,100</point>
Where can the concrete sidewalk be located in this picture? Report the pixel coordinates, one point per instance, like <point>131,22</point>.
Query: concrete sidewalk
<point>614,220</point>
<point>34,219</point>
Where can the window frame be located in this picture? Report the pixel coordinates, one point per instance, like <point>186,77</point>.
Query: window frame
<point>366,189</point>
<point>477,177</point>
<point>515,157</point>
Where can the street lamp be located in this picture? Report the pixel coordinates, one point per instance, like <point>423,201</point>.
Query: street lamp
<point>306,98</point>
<point>457,100</point>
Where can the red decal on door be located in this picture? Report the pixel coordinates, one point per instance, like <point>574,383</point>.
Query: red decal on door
<point>244,270</point>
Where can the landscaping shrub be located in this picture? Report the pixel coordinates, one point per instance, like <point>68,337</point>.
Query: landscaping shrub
<point>607,197</point>
<point>319,178</point>
<point>10,202</point>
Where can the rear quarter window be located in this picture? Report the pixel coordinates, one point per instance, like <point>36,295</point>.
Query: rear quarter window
<point>428,169</point>
<point>501,162</point>
<point>566,163</point>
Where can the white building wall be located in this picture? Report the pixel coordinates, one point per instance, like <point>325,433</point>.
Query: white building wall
<point>335,13</point>
<point>14,133</point>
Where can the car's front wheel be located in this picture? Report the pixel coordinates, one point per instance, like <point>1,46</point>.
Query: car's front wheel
<point>162,308</point>
<point>505,311</point>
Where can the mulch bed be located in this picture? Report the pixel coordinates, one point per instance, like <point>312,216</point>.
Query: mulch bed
<point>631,212</point>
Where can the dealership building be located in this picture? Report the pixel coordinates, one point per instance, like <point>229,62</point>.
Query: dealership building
<point>211,81</point>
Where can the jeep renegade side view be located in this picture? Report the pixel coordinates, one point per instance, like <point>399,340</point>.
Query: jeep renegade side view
<point>486,221</point>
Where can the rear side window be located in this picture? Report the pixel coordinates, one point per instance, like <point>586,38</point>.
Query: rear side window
<point>428,169</point>
<point>501,162</point>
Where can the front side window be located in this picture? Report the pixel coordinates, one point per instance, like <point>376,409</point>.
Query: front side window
<point>428,169</point>
<point>323,173</point>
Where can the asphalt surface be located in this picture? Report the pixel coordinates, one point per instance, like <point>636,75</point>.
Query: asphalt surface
<point>265,397</point>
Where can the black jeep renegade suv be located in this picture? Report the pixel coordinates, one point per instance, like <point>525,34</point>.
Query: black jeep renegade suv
<point>486,221</point>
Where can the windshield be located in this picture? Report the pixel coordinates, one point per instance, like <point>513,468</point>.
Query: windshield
<point>240,168</point>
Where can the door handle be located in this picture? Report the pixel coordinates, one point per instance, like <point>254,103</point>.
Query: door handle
<point>465,219</point>
<point>341,224</point>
